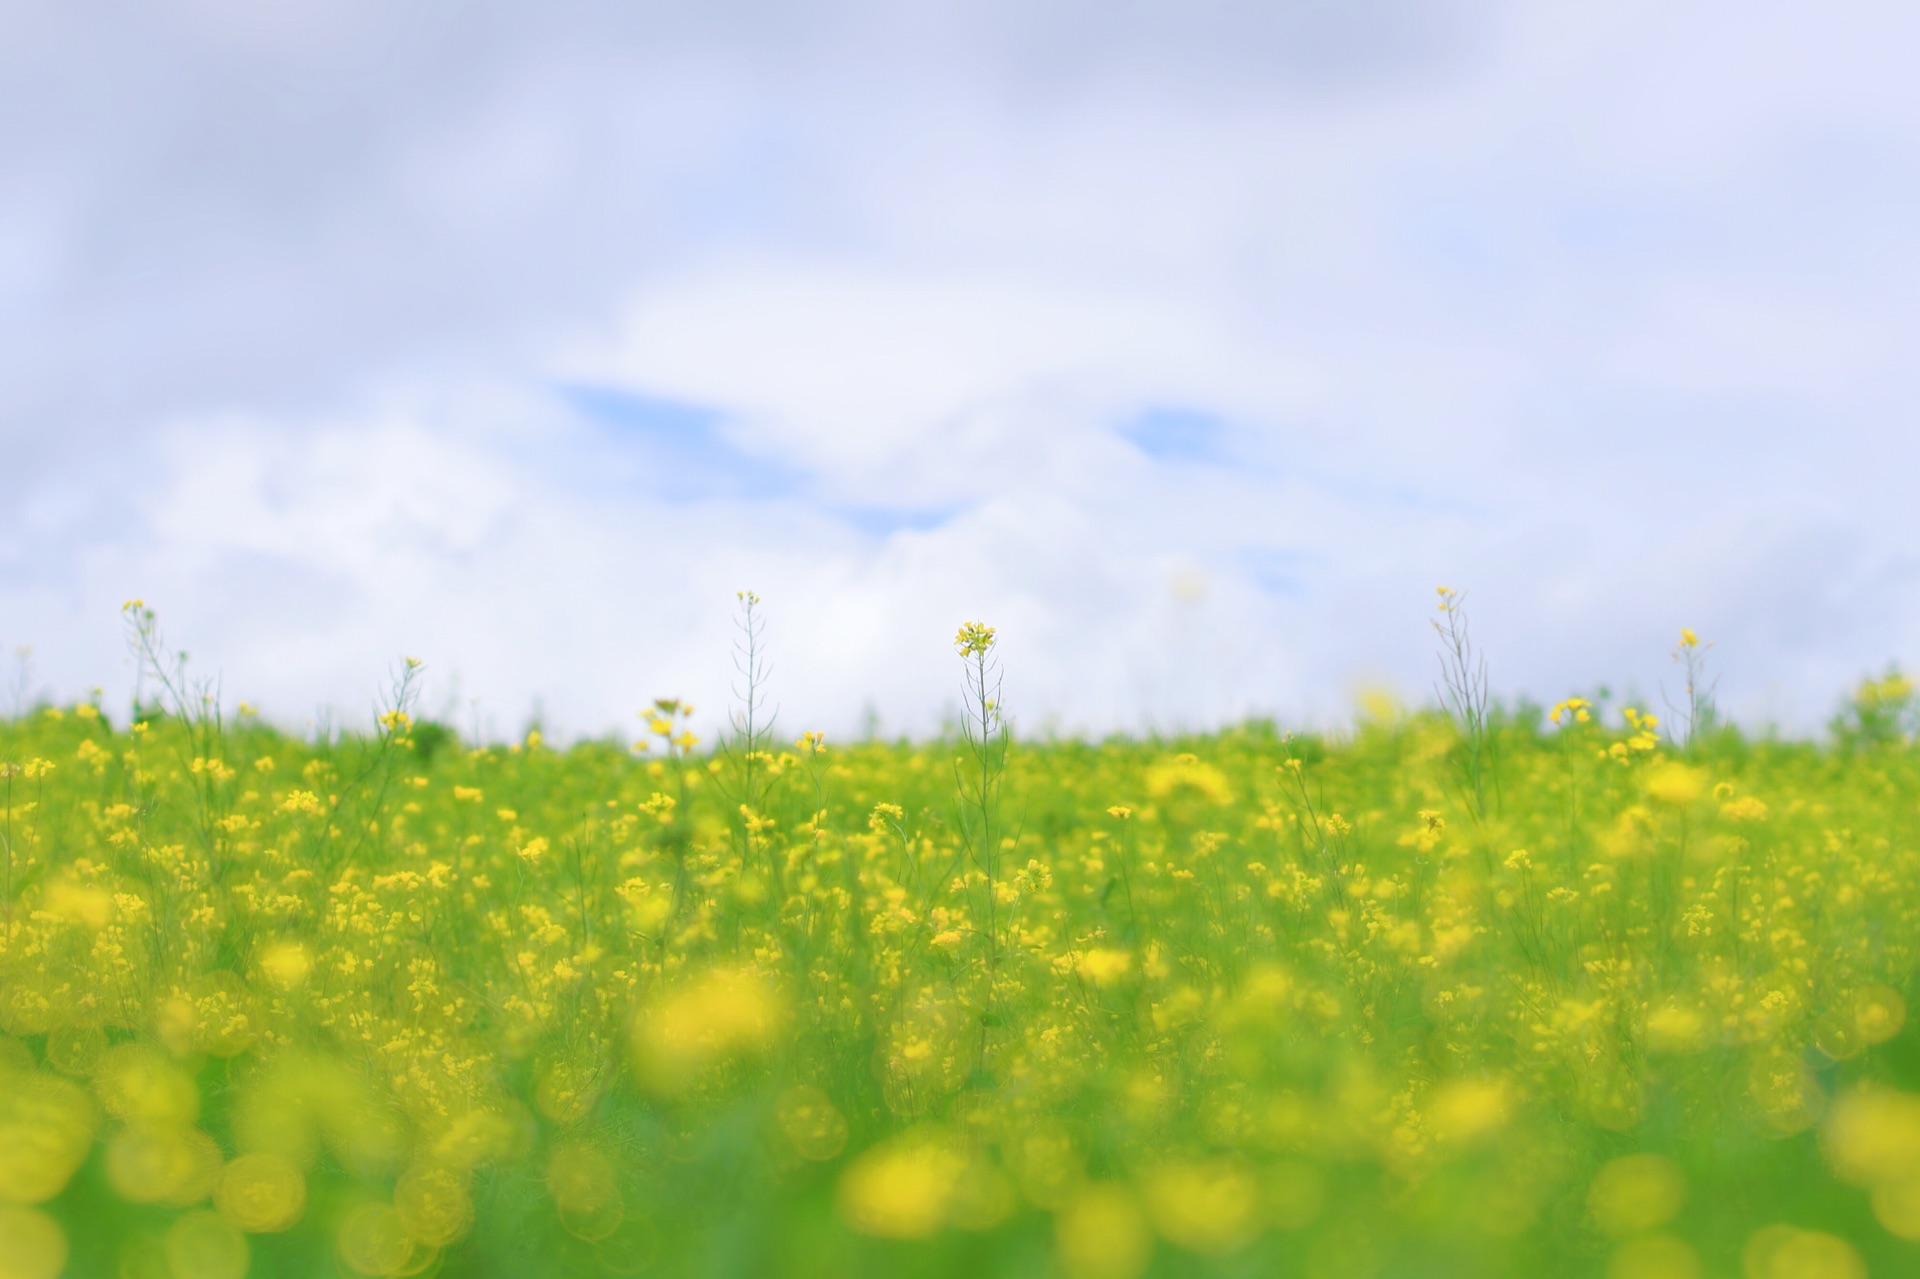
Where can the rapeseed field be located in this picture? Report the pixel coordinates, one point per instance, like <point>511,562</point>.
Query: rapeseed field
<point>1479,990</point>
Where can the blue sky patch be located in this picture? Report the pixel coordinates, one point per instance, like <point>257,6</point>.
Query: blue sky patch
<point>885,521</point>
<point>1277,570</point>
<point>1171,434</point>
<point>677,450</point>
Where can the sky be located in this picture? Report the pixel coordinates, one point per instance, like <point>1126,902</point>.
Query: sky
<point>1190,344</point>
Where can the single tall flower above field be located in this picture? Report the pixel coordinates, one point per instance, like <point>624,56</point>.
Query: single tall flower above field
<point>974,640</point>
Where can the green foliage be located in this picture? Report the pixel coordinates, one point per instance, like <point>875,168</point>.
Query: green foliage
<point>1879,714</point>
<point>1466,993</point>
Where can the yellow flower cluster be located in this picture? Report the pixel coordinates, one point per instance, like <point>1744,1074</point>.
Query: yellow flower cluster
<point>1235,1004</point>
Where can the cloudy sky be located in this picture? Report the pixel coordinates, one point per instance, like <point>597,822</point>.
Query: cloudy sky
<point>1189,343</point>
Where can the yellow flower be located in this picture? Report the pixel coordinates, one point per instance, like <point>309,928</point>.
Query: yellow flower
<point>1635,1193</point>
<point>1208,1206</point>
<point>300,801</point>
<point>285,963</point>
<point>715,1017</point>
<point>1788,1252</point>
<point>46,1131</point>
<point>903,1188</point>
<point>35,1247</point>
<point>433,1202</point>
<point>1104,966</point>
<point>1676,784</point>
<point>1465,1110</point>
<point>373,1239</point>
<point>1186,773</point>
<point>1574,709</point>
<point>1102,1234</point>
<point>1878,1012</point>
<point>261,1192</point>
<point>973,639</point>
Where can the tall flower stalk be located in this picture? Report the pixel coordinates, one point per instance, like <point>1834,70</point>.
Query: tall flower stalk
<point>977,778</point>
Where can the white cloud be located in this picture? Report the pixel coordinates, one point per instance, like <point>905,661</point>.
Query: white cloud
<point>1599,312</point>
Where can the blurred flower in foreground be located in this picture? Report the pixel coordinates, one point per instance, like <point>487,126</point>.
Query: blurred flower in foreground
<point>46,1130</point>
<point>1635,1193</point>
<point>1788,1252</point>
<point>205,1246</point>
<point>721,1015</point>
<point>1207,1206</point>
<point>261,1193</point>
<point>32,1245</point>
<point>811,1123</point>
<point>373,1240</point>
<point>902,1189</point>
<point>585,1188</point>
<point>1102,1234</point>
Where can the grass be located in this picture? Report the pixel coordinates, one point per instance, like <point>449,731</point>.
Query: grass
<point>1471,991</point>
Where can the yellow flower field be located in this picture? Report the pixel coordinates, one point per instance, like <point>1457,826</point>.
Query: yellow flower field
<point>1462,992</point>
